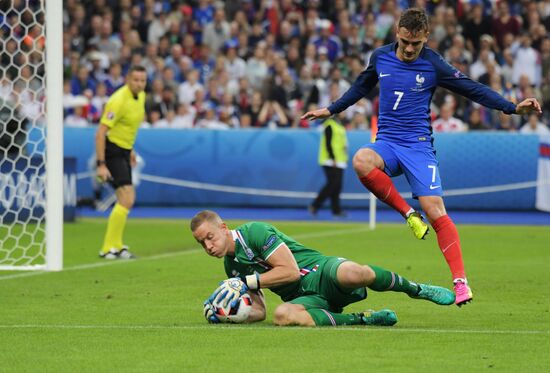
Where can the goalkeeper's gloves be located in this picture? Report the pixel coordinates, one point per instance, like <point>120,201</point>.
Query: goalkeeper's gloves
<point>210,312</point>
<point>228,293</point>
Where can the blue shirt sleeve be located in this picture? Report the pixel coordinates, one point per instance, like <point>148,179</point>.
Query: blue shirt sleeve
<point>366,81</point>
<point>451,78</point>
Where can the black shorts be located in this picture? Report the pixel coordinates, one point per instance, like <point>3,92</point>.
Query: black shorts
<point>117,160</point>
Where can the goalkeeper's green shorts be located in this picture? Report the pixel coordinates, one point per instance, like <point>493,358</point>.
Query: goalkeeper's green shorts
<point>321,289</point>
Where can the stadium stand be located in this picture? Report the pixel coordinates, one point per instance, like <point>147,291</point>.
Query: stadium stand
<point>262,63</point>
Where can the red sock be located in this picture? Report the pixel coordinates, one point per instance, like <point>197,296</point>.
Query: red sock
<point>449,243</point>
<point>382,187</point>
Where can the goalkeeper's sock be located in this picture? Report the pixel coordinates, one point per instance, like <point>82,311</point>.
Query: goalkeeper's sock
<point>115,228</point>
<point>380,184</point>
<point>390,281</point>
<point>449,244</point>
<point>323,317</point>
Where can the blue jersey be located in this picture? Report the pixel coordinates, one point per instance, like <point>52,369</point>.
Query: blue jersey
<point>406,90</point>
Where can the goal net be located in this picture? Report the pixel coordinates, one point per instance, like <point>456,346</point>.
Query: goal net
<point>31,137</point>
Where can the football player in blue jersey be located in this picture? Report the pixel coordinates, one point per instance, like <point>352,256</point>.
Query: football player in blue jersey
<point>408,73</point>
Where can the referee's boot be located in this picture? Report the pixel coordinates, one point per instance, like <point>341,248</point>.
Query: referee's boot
<point>416,222</point>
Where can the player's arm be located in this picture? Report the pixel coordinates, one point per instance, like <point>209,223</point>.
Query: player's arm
<point>284,270</point>
<point>102,171</point>
<point>366,81</point>
<point>258,311</point>
<point>454,80</point>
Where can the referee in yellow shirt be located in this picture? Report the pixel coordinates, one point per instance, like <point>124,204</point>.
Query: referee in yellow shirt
<point>115,137</point>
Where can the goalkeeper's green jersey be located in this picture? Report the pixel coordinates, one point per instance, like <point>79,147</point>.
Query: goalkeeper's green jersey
<point>255,242</point>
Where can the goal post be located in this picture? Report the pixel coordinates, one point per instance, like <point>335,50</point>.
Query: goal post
<point>31,136</point>
<point>54,135</point>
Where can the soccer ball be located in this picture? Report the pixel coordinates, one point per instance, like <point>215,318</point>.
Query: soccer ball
<point>237,314</point>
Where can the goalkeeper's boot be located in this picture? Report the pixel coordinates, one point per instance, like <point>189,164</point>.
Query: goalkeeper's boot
<point>436,294</point>
<point>124,253</point>
<point>463,292</point>
<point>109,255</point>
<point>381,318</point>
<point>416,222</point>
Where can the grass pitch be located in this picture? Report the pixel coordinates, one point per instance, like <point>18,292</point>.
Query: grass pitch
<point>146,315</point>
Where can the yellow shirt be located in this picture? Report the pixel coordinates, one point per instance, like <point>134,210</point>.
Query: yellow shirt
<point>123,115</point>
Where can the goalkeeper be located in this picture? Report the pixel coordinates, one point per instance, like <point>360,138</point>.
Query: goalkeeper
<point>315,288</point>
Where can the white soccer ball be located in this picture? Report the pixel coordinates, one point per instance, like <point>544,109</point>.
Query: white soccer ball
<point>237,314</point>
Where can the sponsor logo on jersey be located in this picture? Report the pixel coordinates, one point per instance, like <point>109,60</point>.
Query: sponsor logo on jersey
<point>110,115</point>
<point>382,75</point>
<point>269,242</point>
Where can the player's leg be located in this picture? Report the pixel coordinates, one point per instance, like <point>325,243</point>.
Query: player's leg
<point>314,310</point>
<point>373,165</point>
<point>421,169</point>
<point>287,314</point>
<point>449,244</point>
<point>353,275</point>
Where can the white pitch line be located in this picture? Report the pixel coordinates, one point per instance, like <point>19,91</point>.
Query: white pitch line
<point>166,255</point>
<point>102,264</point>
<point>268,327</point>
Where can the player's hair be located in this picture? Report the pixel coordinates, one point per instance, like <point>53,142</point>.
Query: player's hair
<point>136,68</point>
<point>205,215</point>
<point>414,20</point>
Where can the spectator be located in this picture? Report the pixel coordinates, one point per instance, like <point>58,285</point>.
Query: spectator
<point>187,89</point>
<point>253,111</point>
<point>114,80</point>
<point>475,122</point>
<point>534,127</point>
<point>185,116</point>
<point>272,115</point>
<point>166,121</point>
<point>526,61</point>
<point>216,33</point>
<point>446,122</point>
<point>76,119</point>
<point>234,65</point>
<point>210,120</point>
<point>168,102</point>
<point>107,42</point>
<point>100,99</point>
<point>204,64</point>
<point>504,23</point>
<point>256,68</point>
<point>157,28</point>
<point>331,43</point>
<point>82,81</point>
<point>476,25</point>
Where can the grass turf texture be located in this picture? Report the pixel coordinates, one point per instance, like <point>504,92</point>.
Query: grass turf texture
<point>146,315</point>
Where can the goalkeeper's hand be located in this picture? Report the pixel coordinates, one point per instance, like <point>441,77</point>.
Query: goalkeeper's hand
<point>210,312</point>
<point>228,293</point>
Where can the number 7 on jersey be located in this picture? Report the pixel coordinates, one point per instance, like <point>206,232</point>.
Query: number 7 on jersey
<point>399,97</point>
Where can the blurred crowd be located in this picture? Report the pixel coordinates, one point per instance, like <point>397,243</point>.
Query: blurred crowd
<point>263,63</point>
